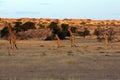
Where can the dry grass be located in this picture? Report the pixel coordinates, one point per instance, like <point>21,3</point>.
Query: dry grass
<point>42,60</point>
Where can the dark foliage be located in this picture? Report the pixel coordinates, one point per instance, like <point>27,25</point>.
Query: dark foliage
<point>4,32</point>
<point>28,25</point>
<point>97,32</point>
<point>101,32</point>
<point>84,33</point>
<point>18,26</point>
<point>61,32</point>
<point>65,29</point>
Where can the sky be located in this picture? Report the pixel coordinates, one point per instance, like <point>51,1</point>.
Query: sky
<point>60,9</point>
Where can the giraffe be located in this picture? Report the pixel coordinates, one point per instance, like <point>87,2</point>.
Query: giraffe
<point>106,39</point>
<point>72,38</point>
<point>107,34</point>
<point>58,41</point>
<point>11,38</point>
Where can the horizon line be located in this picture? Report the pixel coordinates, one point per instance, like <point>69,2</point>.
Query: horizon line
<point>54,18</point>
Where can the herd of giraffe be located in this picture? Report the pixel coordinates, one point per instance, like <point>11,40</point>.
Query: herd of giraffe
<point>12,39</point>
<point>13,45</point>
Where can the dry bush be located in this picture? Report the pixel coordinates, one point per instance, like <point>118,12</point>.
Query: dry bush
<point>35,33</point>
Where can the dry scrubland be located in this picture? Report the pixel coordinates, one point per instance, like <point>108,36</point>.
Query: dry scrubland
<point>42,60</point>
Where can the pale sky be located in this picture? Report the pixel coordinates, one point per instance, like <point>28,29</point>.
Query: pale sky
<point>80,9</point>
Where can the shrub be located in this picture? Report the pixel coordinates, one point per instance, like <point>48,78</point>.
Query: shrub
<point>28,25</point>
<point>34,33</point>
<point>4,32</point>
<point>18,27</point>
<point>61,32</point>
<point>101,32</point>
<point>84,33</point>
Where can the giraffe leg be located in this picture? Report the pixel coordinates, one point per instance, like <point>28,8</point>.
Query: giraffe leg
<point>9,50</point>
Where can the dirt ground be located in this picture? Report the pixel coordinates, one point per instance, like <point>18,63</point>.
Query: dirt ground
<point>42,60</point>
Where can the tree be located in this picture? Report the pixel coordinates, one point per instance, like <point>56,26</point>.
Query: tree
<point>4,32</point>
<point>65,29</point>
<point>73,29</point>
<point>18,26</point>
<point>53,26</point>
<point>83,23</point>
<point>28,25</point>
<point>56,30</point>
<point>109,32</point>
<point>86,32</point>
<point>97,32</point>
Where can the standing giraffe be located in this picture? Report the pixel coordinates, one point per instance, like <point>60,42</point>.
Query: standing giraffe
<point>11,38</point>
<point>58,41</point>
<point>106,39</point>
<point>107,34</point>
<point>72,38</point>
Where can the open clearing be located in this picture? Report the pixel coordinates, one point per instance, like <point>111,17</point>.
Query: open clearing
<point>42,60</point>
